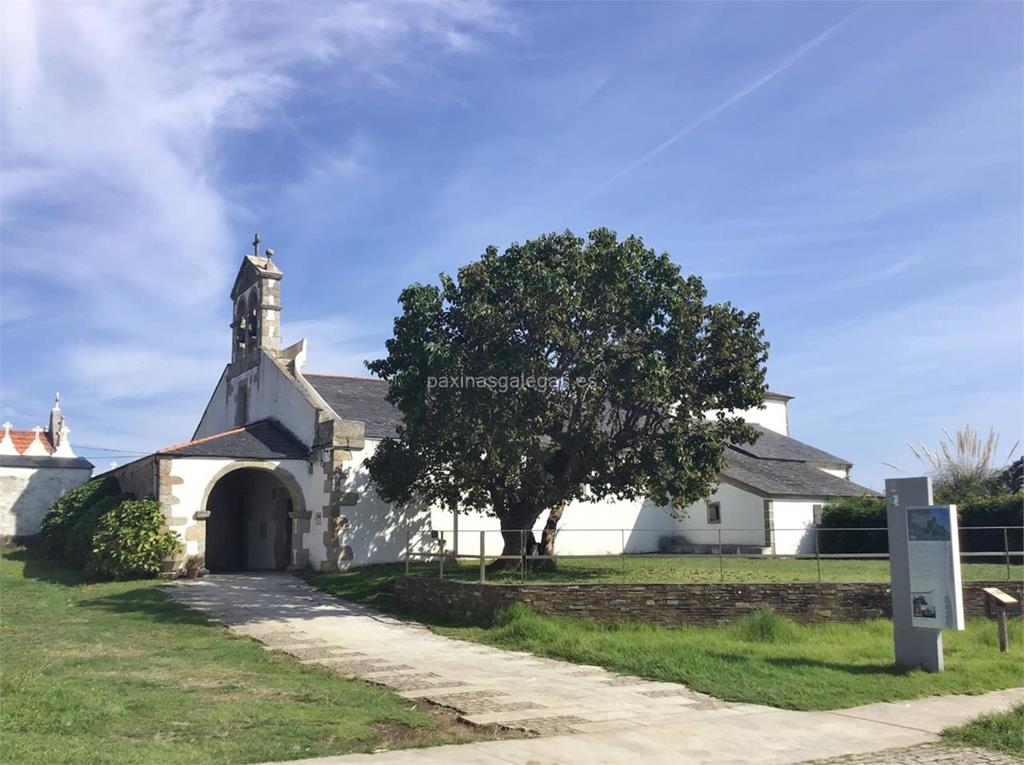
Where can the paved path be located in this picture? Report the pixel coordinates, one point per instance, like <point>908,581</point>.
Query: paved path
<point>621,718</point>
<point>484,684</point>
<point>926,754</point>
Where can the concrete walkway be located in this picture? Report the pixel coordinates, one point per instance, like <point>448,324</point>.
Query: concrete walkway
<point>584,714</point>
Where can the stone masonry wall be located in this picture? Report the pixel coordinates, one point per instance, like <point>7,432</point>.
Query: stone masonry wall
<point>670,605</point>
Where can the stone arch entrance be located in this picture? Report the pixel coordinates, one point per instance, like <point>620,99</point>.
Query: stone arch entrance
<point>249,513</point>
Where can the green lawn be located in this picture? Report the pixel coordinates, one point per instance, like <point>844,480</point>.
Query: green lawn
<point>653,569</point>
<point>1000,731</point>
<point>763,659</point>
<point>119,673</point>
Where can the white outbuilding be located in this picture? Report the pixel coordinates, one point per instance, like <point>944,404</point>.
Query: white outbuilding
<point>37,467</point>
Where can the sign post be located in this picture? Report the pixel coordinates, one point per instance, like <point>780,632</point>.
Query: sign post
<point>924,565</point>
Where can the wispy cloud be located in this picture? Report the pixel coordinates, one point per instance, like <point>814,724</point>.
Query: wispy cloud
<point>114,121</point>
<point>728,103</point>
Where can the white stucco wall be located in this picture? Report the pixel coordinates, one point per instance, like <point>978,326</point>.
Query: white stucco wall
<point>773,415</point>
<point>639,526</point>
<point>794,525</point>
<point>742,514</point>
<point>600,528</point>
<point>272,394</point>
<point>26,495</point>
<point>376,532</point>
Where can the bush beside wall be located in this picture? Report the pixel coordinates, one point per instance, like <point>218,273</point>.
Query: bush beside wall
<point>108,533</point>
<point>130,541</point>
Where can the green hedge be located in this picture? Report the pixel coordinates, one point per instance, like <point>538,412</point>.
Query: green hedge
<point>853,513</point>
<point>107,533</point>
<point>869,512</point>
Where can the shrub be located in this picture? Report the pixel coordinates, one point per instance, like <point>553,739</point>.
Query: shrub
<point>107,533</point>
<point>1000,510</point>
<point>130,541</point>
<point>78,539</point>
<point>854,513</point>
<point>64,513</point>
<point>964,464</point>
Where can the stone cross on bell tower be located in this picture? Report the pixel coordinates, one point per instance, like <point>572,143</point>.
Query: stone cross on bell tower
<point>256,308</point>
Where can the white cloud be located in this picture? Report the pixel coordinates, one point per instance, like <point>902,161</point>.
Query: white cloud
<point>113,116</point>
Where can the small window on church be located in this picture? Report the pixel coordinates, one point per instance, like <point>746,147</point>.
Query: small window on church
<point>714,512</point>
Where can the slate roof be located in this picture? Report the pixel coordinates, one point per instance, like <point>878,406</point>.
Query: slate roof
<point>263,440</point>
<point>786,478</point>
<point>359,398</point>
<point>21,461</point>
<point>775,446</point>
<point>775,465</point>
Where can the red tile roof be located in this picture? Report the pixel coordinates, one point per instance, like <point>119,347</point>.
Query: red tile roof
<point>23,439</point>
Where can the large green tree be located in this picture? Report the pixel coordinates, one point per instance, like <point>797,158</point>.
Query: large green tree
<point>564,369</point>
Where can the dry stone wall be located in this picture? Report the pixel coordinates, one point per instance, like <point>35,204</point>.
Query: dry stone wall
<point>670,605</point>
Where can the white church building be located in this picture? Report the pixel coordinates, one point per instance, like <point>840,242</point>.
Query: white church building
<point>274,475</point>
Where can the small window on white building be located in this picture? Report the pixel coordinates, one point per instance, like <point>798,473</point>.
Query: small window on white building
<point>816,509</point>
<point>714,512</point>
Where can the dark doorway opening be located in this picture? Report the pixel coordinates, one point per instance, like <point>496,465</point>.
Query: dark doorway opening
<point>249,527</point>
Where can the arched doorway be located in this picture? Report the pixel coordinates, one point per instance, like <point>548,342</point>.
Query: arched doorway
<point>249,527</point>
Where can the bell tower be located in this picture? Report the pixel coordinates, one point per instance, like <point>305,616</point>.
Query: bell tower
<point>256,308</point>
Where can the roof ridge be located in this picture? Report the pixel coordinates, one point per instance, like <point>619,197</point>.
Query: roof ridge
<point>215,436</point>
<point>343,377</point>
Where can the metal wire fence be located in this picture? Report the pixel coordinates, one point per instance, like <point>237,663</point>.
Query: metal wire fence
<point>812,553</point>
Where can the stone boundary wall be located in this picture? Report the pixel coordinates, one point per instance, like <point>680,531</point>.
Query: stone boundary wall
<point>670,605</point>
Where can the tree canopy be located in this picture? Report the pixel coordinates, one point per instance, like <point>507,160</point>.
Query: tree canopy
<point>565,368</point>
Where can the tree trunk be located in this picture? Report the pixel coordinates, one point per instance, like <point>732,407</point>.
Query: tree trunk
<point>515,541</point>
<point>547,538</point>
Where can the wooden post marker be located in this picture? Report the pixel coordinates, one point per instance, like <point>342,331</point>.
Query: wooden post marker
<point>1001,601</point>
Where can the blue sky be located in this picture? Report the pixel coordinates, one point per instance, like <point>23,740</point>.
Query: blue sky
<point>852,171</point>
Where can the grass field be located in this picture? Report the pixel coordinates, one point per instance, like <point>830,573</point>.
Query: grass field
<point>1000,731</point>
<point>119,673</point>
<point>653,569</point>
<point>764,659</point>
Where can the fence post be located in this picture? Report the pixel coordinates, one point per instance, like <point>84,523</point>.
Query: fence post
<point>408,550</point>
<point>622,552</point>
<point>522,551</point>
<point>442,558</point>
<point>721,558</point>
<point>1006,550</point>
<point>817,552</point>
<point>1004,635</point>
<point>483,575</point>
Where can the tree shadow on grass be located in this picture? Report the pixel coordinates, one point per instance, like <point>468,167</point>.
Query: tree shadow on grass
<point>38,566</point>
<point>147,601</point>
<point>790,662</point>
